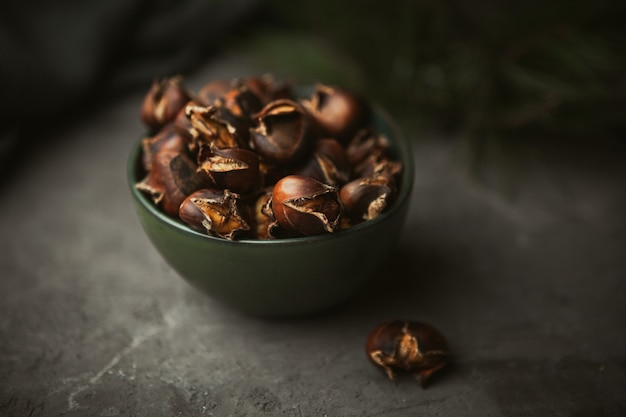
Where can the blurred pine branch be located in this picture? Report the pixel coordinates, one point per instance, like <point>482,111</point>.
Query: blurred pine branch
<point>473,67</point>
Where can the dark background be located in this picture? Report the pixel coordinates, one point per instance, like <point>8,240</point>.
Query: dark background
<point>480,67</point>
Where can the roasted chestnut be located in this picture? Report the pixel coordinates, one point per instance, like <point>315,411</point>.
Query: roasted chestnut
<point>235,169</point>
<point>366,143</point>
<point>241,102</point>
<point>366,198</point>
<point>208,128</point>
<point>341,113</point>
<point>182,124</point>
<point>282,132</point>
<point>266,88</point>
<point>378,166</point>
<point>166,139</point>
<point>172,177</point>
<point>327,163</point>
<point>210,92</point>
<point>163,101</point>
<point>407,346</point>
<point>263,215</point>
<point>304,206</point>
<point>216,212</point>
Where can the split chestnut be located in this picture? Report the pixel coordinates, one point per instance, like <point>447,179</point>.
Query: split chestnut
<point>249,158</point>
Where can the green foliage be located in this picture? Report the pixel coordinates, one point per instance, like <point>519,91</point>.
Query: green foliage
<point>481,66</point>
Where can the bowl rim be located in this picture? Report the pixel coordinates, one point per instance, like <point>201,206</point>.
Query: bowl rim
<point>400,146</point>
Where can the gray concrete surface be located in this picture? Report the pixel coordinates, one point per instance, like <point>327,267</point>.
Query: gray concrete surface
<point>529,287</point>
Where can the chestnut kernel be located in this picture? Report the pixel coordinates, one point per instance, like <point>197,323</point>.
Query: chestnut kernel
<point>304,206</point>
<point>163,101</point>
<point>235,169</point>
<point>215,212</point>
<point>281,134</point>
<point>407,346</point>
<point>263,215</point>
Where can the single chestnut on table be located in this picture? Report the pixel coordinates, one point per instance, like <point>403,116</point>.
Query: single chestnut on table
<point>408,346</point>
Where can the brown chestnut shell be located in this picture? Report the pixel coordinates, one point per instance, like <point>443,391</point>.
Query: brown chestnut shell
<point>304,206</point>
<point>211,91</point>
<point>281,133</point>
<point>215,212</point>
<point>163,101</point>
<point>166,139</point>
<point>327,162</point>
<point>172,177</point>
<point>407,346</point>
<point>207,127</point>
<point>235,169</point>
<point>366,198</point>
<point>340,112</point>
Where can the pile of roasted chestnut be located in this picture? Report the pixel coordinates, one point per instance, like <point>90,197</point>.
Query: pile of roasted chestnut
<point>248,158</point>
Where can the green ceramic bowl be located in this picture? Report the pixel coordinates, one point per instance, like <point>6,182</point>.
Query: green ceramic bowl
<point>282,277</point>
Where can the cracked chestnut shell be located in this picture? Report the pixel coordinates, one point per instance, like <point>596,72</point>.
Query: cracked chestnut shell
<point>340,113</point>
<point>266,88</point>
<point>240,101</point>
<point>211,91</point>
<point>215,212</point>
<point>366,143</point>
<point>407,346</point>
<point>263,216</point>
<point>377,166</point>
<point>207,127</point>
<point>235,169</point>
<point>327,163</point>
<point>172,177</point>
<point>366,198</point>
<point>303,206</point>
<point>163,101</point>
<point>281,133</point>
<point>166,139</point>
